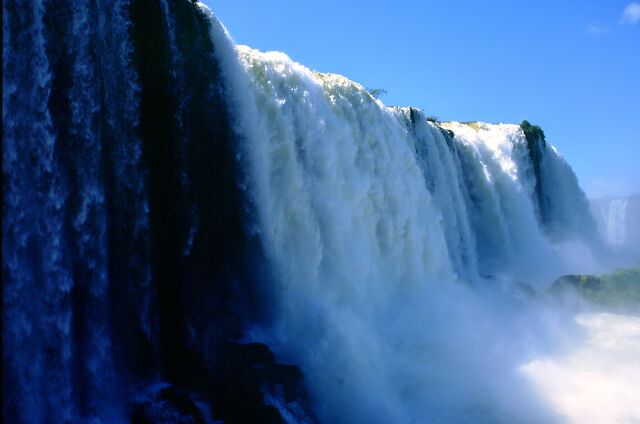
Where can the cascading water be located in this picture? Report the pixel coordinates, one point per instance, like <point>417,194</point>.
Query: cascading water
<point>439,160</point>
<point>168,197</point>
<point>362,210</point>
<point>618,221</point>
<point>66,141</point>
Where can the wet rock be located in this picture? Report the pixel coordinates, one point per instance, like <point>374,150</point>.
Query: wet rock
<point>254,388</point>
<point>167,404</point>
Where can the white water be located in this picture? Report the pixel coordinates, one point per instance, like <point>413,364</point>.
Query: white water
<point>596,380</point>
<point>618,221</point>
<point>509,237</point>
<point>377,227</point>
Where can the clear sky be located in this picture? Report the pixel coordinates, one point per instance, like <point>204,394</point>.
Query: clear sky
<point>572,67</point>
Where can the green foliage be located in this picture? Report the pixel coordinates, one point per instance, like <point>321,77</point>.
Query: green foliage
<point>536,145</point>
<point>533,133</point>
<point>432,118</point>
<point>619,288</point>
<point>376,92</point>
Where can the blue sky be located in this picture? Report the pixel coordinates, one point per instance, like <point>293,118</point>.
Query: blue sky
<point>572,67</point>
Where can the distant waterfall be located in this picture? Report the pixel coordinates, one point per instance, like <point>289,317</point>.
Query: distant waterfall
<point>615,217</point>
<point>618,221</point>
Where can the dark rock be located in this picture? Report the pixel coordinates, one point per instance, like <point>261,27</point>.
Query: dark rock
<point>244,385</point>
<point>250,354</point>
<point>167,404</point>
<point>248,372</point>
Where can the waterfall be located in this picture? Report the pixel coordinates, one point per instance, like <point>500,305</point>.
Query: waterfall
<point>368,213</point>
<point>440,162</point>
<point>612,217</point>
<point>57,65</point>
<point>183,217</point>
<point>618,222</point>
<point>32,228</point>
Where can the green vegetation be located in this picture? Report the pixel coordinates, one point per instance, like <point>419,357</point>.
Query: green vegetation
<point>376,92</point>
<point>533,133</point>
<point>433,119</point>
<point>619,288</point>
<point>536,144</point>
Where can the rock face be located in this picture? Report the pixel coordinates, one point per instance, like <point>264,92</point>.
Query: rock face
<point>255,388</point>
<point>246,386</point>
<point>167,404</point>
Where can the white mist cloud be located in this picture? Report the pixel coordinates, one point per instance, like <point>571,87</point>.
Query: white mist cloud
<point>631,14</point>
<point>596,379</point>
